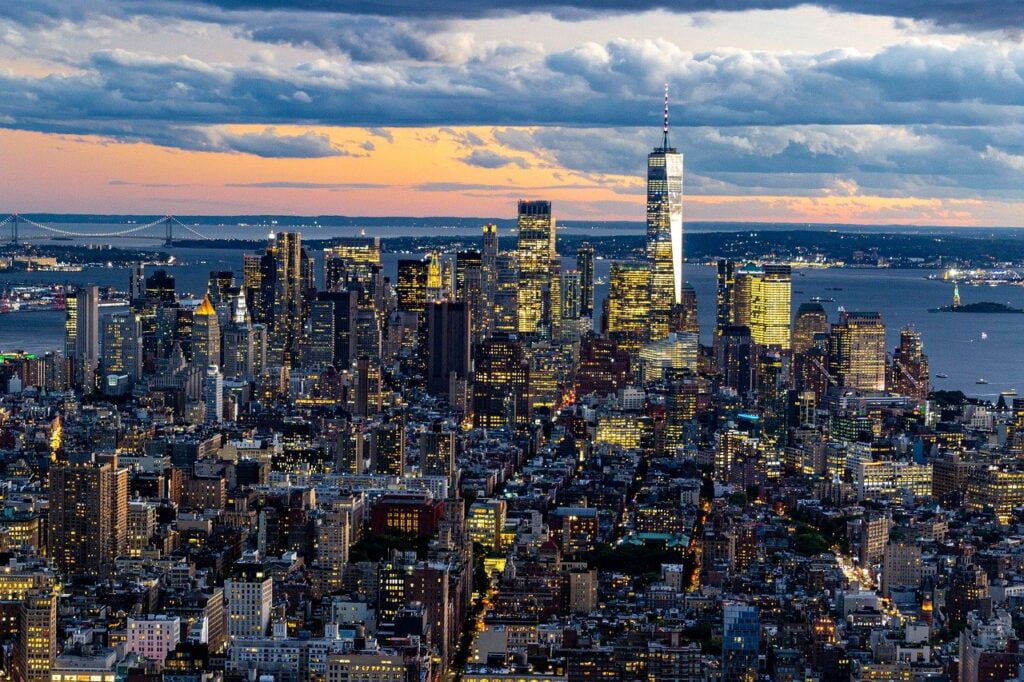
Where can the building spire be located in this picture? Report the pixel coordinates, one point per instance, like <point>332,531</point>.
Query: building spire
<point>664,130</point>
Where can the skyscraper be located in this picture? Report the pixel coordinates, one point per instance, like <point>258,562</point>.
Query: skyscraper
<point>87,336</point>
<point>909,371</point>
<point>448,343</point>
<point>857,351</point>
<point>213,395</point>
<point>501,390</point>
<point>205,335</point>
<point>771,305</point>
<point>88,514</point>
<point>536,250</point>
<point>585,266</point>
<point>489,271</point>
<point>810,319</point>
<point>412,285</point>
<point>629,319</point>
<point>726,282</point>
<point>469,287</point>
<point>291,275</point>
<point>122,345</point>
<point>664,229</point>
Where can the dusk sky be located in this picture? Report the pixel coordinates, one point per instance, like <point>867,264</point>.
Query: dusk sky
<point>830,112</point>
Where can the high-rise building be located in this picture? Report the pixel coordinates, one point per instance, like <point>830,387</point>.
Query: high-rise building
<point>724,299</point>
<point>122,346</point>
<point>761,301</point>
<point>351,263</point>
<point>248,597</point>
<point>389,446</point>
<point>489,272</point>
<point>213,395</point>
<point>88,515</point>
<point>87,336</point>
<point>321,337</point>
<point>734,357</point>
<point>292,276</point>
<point>908,374</point>
<point>437,451</point>
<point>160,286</point>
<point>206,335</point>
<point>585,266</point>
<point>741,639</point>
<point>449,344</point>
<point>501,389</point>
<point>412,285</point>
<point>469,287</point>
<point>536,251</point>
<point>137,282</point>
<point>344,319</point>
<point>506,295</point>
<point>629,314</point>
<point>811,319</point>
<point>664,229</point>
<point>857,351</point>
<point>221,287</point>
<point>37,636</point>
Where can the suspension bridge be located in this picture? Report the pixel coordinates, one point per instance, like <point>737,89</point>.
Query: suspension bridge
<point>17,229</point>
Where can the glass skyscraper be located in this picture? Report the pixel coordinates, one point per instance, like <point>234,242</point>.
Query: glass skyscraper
<point>665,230</point>
<point>741,640</point>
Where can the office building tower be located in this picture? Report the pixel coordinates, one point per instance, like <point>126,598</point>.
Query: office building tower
<point>213,395</point>
<point>664,229</point>
<point>489,272</point>
<point>369,340</point>
<point>574,322</point>
<point>506,296</point>
<point>321,337</point>
<point>469,287</point>
<point>122,346</point>
<point>760,300</point>
<point>435,277</point>
<point>291,281</point>
<point>501,387</point>
<point>908,374</point>
<point>437,451</point>
<point>88,522</point>
<point>449,344</point>
<point>536,250</point>
<point>87,336</point>
<point>389,446</point>
<point>735,358</point>
<point>160,286</point>
<point>70,326</point>
<point>741,640</point>
<point>221,287</point>
<point>811,319</point>
<point>585,267</point>
<point>137,282</point>
<point>368,399</point>
<point>684,315</point>
<point>629,314</point>
<point>244,347</point>
<point>770,306</point>
<point>725,289</point>
<point>351,263</point>
<point>256,267</point>
<point>206,335</point>
<point>681,397</point>
<point>345,334</point>
<point>248,597</point>
<point>412,285</point>
<point>857,351</point>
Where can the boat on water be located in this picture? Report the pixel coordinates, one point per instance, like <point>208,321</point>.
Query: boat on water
<point>941,375</point>
<point>981,381</point>
<point>822,299</point>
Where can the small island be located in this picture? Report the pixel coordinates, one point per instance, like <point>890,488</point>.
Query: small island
<point>981,307</point>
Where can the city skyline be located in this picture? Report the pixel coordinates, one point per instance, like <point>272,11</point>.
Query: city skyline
<point>912,116</point>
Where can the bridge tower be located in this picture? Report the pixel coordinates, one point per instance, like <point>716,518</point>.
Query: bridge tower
<point>169,231</point>
<point>14,230</point>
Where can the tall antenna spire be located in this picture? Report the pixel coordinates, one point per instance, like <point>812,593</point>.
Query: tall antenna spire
<point>664,137</point>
